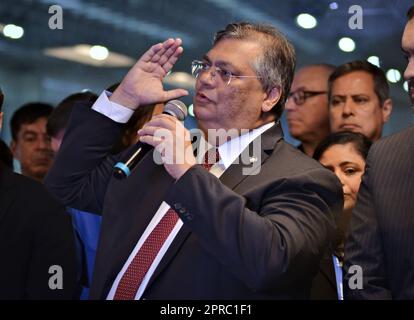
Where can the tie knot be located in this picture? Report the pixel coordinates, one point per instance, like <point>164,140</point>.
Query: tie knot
<point>211,157</point>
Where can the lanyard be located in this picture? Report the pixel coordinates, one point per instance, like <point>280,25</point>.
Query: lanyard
<point>338,276</point>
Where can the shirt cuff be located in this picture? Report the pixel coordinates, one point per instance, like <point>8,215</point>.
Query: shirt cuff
<point>111,109</point>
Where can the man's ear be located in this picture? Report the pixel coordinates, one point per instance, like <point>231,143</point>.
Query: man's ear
<point>386,110</point>
<point>271,98</point>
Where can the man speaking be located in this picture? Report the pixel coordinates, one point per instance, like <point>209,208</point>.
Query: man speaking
<point>183,230</point>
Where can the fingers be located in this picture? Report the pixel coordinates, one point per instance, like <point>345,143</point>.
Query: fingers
<point>165,120</point>
<point>168,50</point>
<point>163,126</point>
<point>158,122</point>
<point>149,54</point>
<point>160,146</point>
<point>167,66</point>
<point>148,131</point>
<point>156,137</point>
<point>161,52</point>
<point>158,48</point>
<point>175,94</point>
<point>156,142</point>
<point>170,56</point>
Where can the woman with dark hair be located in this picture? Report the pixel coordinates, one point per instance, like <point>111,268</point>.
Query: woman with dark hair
<point>344,153</point>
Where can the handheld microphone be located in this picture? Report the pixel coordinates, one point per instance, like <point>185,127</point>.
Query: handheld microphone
<point>123,169</point>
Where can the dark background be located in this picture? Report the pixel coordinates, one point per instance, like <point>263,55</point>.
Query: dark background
<point>130,27</point>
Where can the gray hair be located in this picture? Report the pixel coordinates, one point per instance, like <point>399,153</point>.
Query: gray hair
<point>276,65</point>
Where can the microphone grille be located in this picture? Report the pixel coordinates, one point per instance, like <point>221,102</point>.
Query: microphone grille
<point>176,108</point>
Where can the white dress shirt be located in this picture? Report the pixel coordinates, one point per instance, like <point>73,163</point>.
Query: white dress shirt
<point>229,152</point>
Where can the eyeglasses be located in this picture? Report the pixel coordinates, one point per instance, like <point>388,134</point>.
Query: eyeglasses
<point>300,96</point>
<point>199,67</point>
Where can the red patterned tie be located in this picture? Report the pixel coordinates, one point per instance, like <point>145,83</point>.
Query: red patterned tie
<point>210,158</point>
<point>139,266</point>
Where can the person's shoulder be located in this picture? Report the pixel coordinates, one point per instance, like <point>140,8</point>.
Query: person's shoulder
<point>397,140</point>
<point>393,146</point>
<point>300,172</point>
<point>288,162</point>
<point>31,193</point>
<point>24,183</point>
<point>290,157</point>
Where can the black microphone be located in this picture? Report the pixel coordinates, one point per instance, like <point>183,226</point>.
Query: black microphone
<point>123,169</point>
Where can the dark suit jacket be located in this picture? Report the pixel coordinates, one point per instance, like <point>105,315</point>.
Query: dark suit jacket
<point>381,239</point>
<point>35,234</point>
<point>244,237</point>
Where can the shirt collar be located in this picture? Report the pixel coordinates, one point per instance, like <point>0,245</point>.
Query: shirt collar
<point>231,150</point>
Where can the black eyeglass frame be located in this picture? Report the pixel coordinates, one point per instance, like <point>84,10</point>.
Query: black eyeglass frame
<point>300,96</point>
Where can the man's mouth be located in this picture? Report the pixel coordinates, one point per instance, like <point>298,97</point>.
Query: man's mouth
<point>44,159</point>
<point>43,162</point>
<point>349,126</point>
<point>291,119</point>
<point>202,97</point>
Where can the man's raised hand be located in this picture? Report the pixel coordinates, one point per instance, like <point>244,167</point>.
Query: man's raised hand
<point>143,83</point>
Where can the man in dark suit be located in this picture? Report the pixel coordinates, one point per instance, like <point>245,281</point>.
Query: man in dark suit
<point>36,241</point>
<point>253,227</point>
<point>381,241</point>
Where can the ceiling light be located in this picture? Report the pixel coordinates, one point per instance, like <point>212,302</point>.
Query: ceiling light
<point>374,60</point>
<point>82,53</point>
<point>13,31</point>
<point>98,53</point>
<point>393,75</point>
<point>191,110</point>
<point>306,21</point>
<point>405,86</point>
<point>346,44</point>
<point>333,5</point>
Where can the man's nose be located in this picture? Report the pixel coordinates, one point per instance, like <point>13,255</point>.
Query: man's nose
<point>208,76</point>
<point>347,109</point>
<point>290,105</point>
<point>43,143</point>
<point>409,71</point>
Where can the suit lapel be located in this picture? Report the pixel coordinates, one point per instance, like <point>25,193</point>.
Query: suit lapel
<point>232,177</point>
<point>252,158</point>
